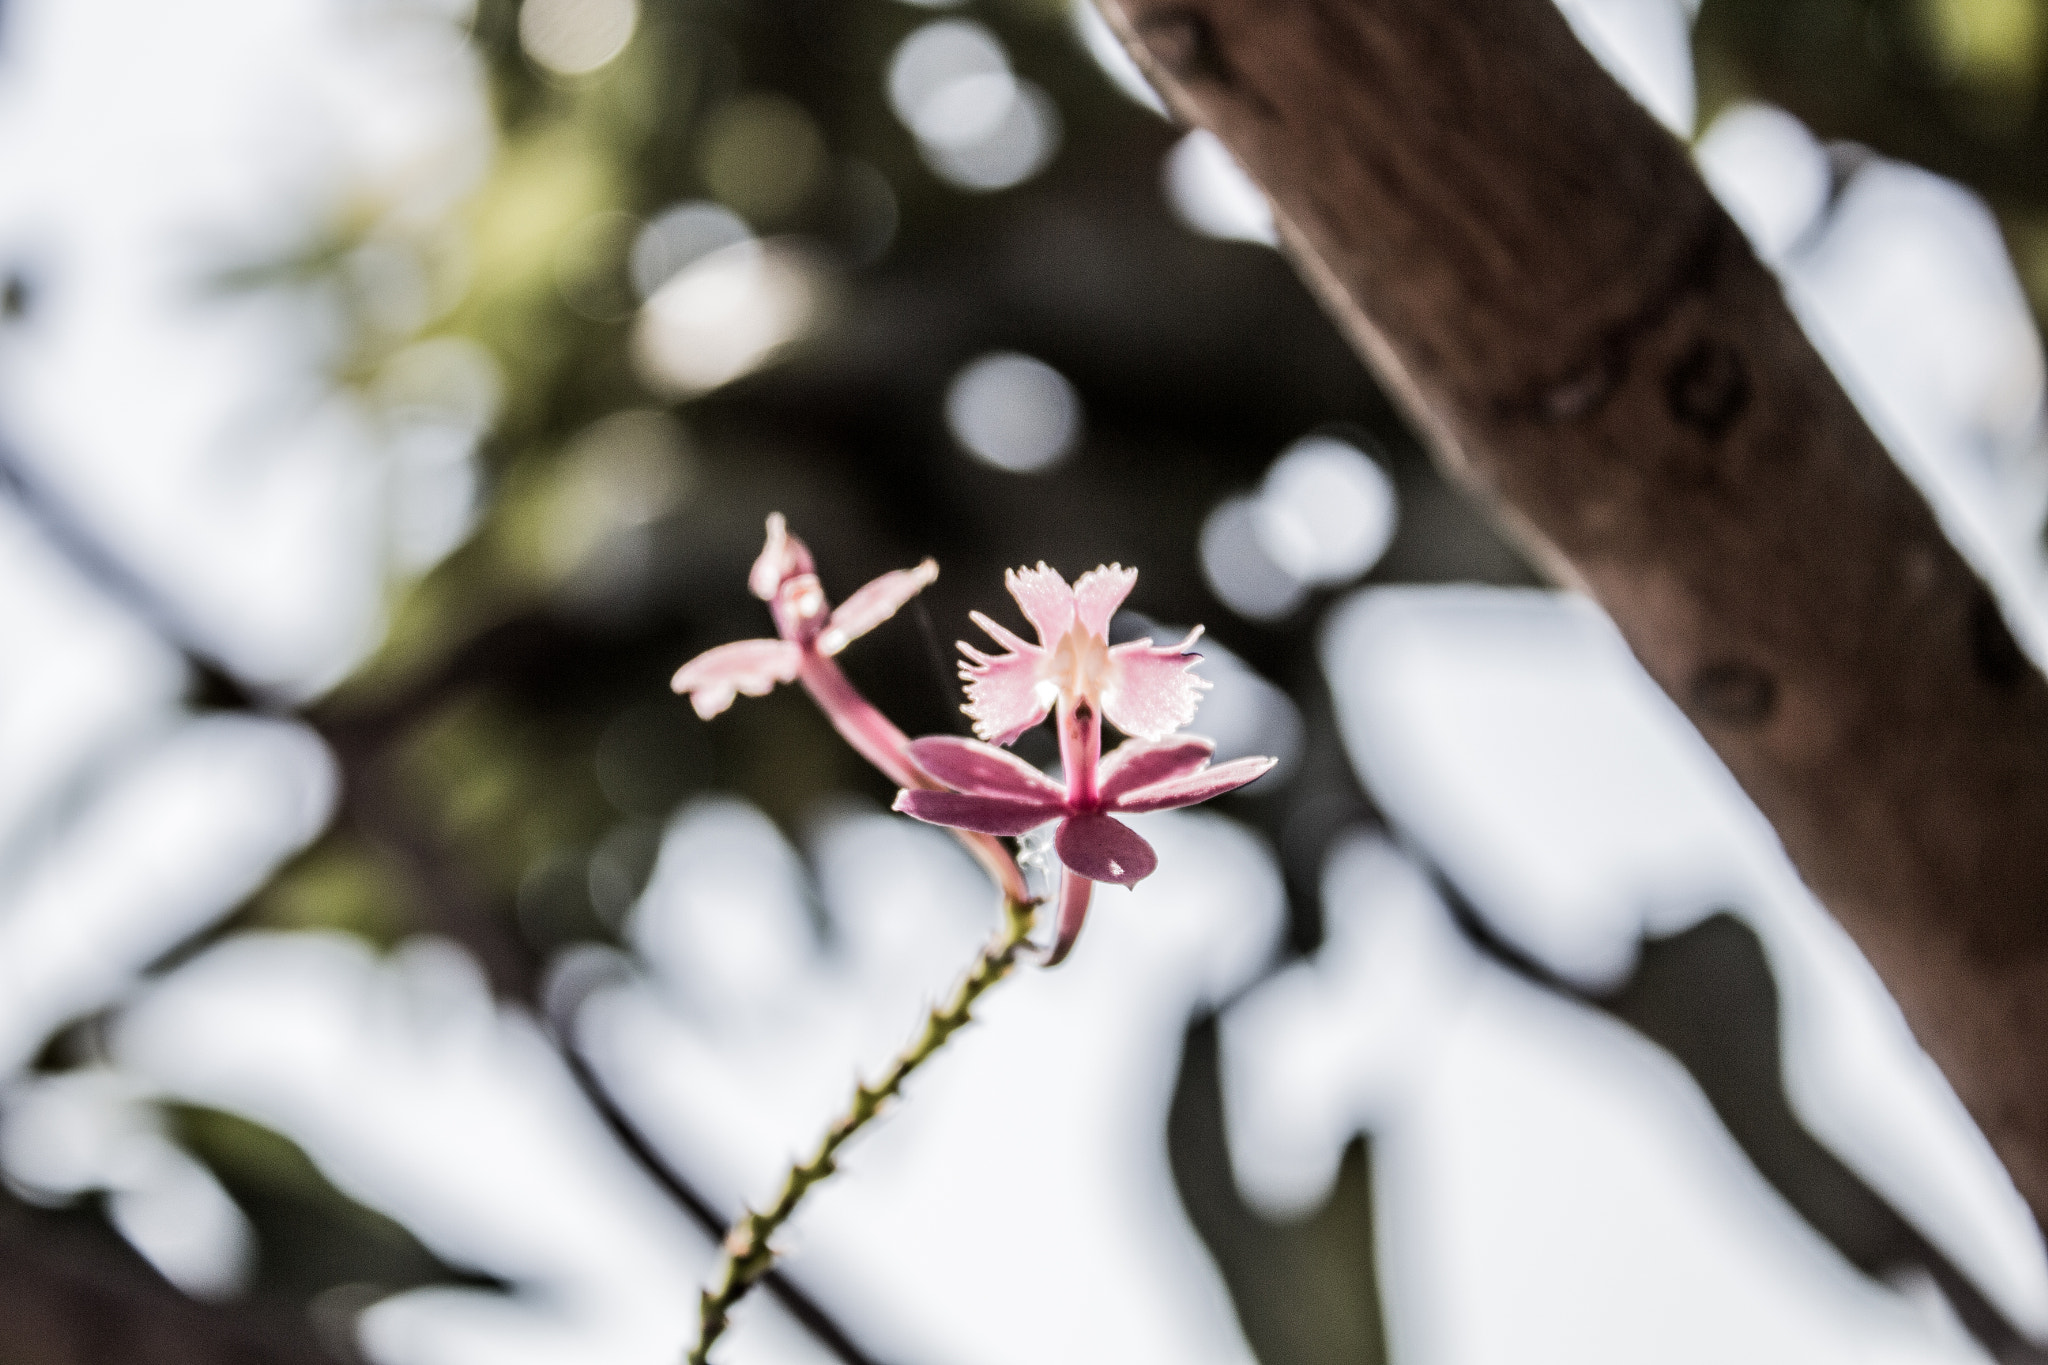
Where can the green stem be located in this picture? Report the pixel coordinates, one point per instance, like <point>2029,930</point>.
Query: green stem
<point>747,1255</point>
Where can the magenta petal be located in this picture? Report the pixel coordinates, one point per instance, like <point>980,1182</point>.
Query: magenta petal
<point>1151,692</point>
<point>1104,849</point>
<point>1003,695</point>
<point>1098,593</point>
<point>1046,600</point>
<point>1186,791</point>
<point>982,814</point>
<point>1141,762</point>
<point>1075,892</point>
<point>873,604</point>
<point>979,769</point>
<point>714,677</point>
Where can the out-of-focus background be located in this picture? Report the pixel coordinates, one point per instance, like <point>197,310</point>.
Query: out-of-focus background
<point>391,395</point>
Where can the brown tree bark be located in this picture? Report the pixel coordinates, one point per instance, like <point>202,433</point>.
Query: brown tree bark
<point>1537,273</point>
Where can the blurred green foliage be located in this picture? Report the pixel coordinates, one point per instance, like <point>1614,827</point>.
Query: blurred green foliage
<point>1954,86</point>
<point>312,1241</point>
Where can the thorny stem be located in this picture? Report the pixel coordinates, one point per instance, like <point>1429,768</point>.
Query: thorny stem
<point>747,1255</point>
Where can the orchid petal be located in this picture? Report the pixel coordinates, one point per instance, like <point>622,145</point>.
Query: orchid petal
<point>1075,891</point>
<point>1140,763</point>
<point>1104,849</point>
<point>1002,635</point>
<point>1152,693</point>
<point>1098,593</point>
<point>782,557</point>
<point>979,769</point>
<point>714,677</point>
<point>1003,696</point>
<point>1045,599</point>
<point>873,604</point>
<point>1200,786</point>
<point>982,814</point>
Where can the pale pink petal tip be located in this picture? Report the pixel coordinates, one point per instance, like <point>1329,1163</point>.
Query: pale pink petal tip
<point>1099,592</point>
<point>1003,696</point>
<point>716,676</point>
<point>782,557</point>
<point>1001,634</point>
<point>1139,763</point>
<point>1045,599</point>
<point>1195,787</point>
<point>875,603</point>
<point>1104,849</point>
<point>1154,691</point>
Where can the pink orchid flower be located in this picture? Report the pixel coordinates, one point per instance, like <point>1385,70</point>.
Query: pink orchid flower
<point>810,633</point>
<point>1146,691</point>
<point>996,792</point>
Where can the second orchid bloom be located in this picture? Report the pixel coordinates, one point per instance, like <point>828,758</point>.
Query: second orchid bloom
<point>1075,675</point>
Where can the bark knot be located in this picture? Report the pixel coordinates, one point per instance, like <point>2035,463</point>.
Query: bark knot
<point>1183,42</point>
<point>1707,388</point>
<point>1712,377</point>
<point>1732,693</point>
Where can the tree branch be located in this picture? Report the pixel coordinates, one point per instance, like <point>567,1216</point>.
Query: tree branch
<point>1540,277</point>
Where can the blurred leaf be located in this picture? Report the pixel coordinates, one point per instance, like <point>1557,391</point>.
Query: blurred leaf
<point>1307,1292</point>
<point>341,885</point>
<point>311,1238</point>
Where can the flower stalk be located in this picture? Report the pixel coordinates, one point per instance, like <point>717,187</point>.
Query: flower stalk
<point>749,1252</point>
<point>975,788</point>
